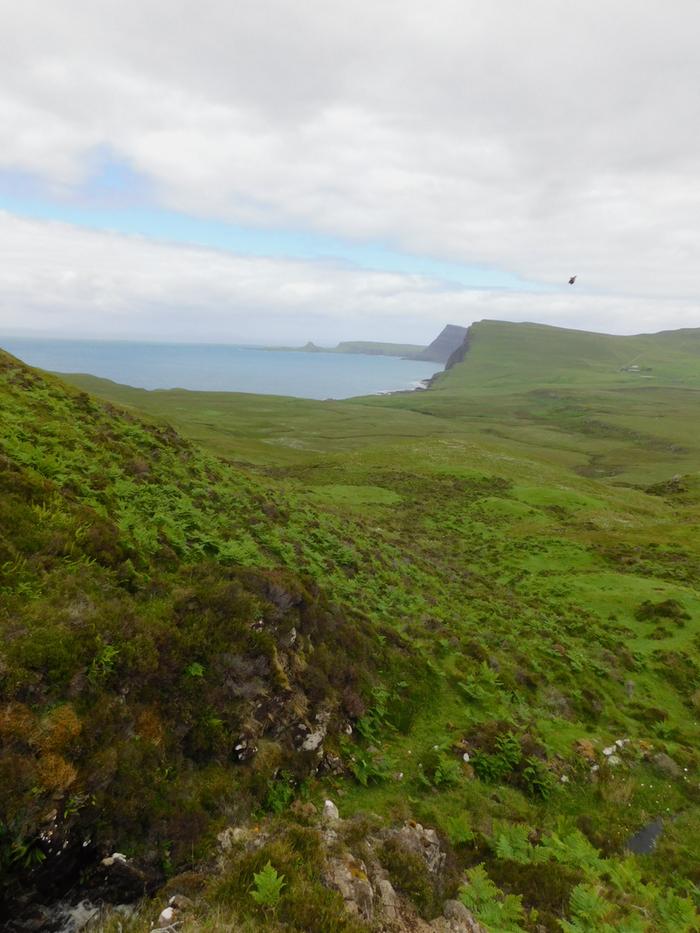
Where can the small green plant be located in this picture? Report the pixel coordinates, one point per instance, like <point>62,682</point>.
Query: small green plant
<point>512,842</point>
<point>458,828</point>
<point>499,912</point>
<point>75,803</point>
<point>368,770</point>
<point>375,720</point>
<point>166,858</point>
<point>590,913</point>
<point>674,913</point>
<point>26,853</point>
<point>496,766</point>
<point>280,792</point>
<point>195,669</point>
<point>104,662</point>
<point>538,780</point>
<point>268,887</point>
<point>570,848</point>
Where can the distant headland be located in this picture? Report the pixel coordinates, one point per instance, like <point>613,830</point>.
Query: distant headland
<point>439,351</point>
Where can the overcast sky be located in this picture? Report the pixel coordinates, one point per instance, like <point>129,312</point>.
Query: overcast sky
<point>282,171</point>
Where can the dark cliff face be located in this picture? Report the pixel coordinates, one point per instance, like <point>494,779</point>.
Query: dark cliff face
<point>445,344</point>
<point>458,354</point>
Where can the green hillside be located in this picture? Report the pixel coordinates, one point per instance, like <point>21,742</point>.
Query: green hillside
<point>564,397</point>
<point>504,567</point>
<point>506,356</point>
<point>574,398</point>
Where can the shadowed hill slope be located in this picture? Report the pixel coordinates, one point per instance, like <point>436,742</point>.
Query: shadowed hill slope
<point>444,345</point>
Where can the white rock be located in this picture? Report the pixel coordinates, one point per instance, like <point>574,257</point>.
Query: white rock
<point>330,811</point>
<point>114,857</point>
<point>388,899</point>
<point>614,761</point>
<point>313,740</point>
<point>231,836</point>
<point>465,757</point>
<point>180,902</point>
<point>621,742</point>
<point>609,750</point>
<point>167,916</point>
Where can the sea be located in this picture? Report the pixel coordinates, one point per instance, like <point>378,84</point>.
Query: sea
<point>224,367</point>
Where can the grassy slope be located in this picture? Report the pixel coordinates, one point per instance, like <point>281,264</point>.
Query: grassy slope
<point>565,395</point>
<point>540,392</point>
<point>464,519</point>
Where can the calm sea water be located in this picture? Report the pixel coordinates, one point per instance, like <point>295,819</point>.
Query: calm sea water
<point>223,368</point>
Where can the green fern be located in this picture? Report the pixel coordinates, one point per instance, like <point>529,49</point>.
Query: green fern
<point>570,848</point>
<point>588,911</point>
<point>268,887</point>
<point>511,842</point>
<point>625,875</point>
<point>674,914</point>
<point>478,890</point>
<point>500,913</point>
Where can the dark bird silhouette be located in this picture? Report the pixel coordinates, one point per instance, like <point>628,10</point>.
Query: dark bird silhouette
<point>572,280</point>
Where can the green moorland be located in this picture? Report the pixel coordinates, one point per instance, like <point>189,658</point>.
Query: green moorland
<point>505,567</point>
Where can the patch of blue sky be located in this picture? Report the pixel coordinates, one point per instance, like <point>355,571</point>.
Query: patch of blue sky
<point>114,197</point>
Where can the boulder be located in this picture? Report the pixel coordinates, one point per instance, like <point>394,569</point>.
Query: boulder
<point>455,910</point>
<point>231,837</point>
<point>167,916</point>
<point>423,842</point>
<point>461,921</point>
<point>180,902</point>
<point>387,898</point>
<point>330,811</point>
<point>664,763</point>
<point>116,880</point>
<point>348,875</point>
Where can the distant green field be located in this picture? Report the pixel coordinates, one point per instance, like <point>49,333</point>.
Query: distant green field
<point>566,397</point>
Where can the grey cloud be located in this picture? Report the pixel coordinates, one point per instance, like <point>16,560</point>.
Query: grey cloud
<point>64,281</point>
<point>540,137</point>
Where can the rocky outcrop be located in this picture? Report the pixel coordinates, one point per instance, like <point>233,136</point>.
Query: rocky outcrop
<point>459,352</point>
<point>348,875</point>
<point>365,868</point>
<point>448,341</point>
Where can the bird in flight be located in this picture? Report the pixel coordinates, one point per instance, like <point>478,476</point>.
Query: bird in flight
<point>572,280</point>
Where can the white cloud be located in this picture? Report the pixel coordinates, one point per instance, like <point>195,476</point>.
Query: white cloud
<point>60,280</point>
<point>543,138</point>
